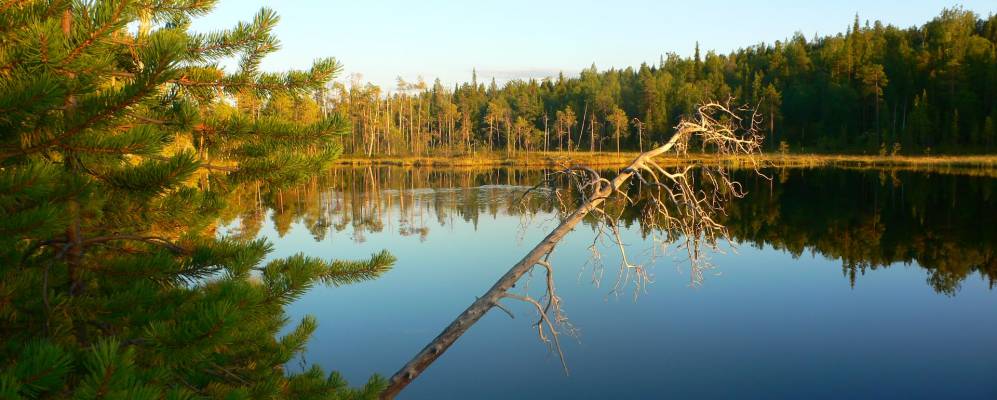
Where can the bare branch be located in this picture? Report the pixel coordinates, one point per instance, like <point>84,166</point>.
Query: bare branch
<point>681,206</point>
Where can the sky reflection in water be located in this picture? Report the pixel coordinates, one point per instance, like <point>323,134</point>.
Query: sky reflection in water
<point>778,318</point>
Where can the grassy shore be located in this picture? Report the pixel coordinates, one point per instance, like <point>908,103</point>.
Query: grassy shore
<point>612,159</point>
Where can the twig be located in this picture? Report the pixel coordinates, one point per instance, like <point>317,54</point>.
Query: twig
<point>683,210</point>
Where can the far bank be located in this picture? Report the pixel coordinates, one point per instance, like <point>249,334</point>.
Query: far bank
<point>611,159</point>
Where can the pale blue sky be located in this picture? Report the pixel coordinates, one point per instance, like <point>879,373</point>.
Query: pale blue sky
<point>522,38</point>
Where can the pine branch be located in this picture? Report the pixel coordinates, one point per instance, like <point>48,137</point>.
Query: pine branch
<point>151,177</point>
<point>349,272</point>
<point>244,37</point>
<point>104,131</point>
<point>162,55</point>
<point>106,25</point>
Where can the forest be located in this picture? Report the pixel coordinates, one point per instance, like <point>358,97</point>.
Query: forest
<point>875,89</point>
<point>126,142</point>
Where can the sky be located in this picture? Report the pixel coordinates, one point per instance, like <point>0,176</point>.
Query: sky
<point>382,40</point>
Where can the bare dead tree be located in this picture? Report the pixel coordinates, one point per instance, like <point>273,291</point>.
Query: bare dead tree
<point>683,203</point>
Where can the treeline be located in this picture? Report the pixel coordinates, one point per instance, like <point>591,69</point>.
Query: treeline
<point>874,88</point>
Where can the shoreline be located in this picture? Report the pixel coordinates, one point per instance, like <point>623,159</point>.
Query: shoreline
<point>612,159</point>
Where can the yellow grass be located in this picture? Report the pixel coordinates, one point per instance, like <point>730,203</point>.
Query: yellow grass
<point>612,159</point>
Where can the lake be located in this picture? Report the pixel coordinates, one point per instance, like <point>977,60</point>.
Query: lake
<point>842,282</point>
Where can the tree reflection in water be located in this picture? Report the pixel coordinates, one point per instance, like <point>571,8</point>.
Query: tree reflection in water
<point>942,221</point>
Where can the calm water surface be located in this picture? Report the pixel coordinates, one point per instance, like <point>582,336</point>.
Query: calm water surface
<point>844,283</point>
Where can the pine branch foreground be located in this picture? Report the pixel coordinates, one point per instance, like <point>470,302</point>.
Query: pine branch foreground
<point>121,141</point>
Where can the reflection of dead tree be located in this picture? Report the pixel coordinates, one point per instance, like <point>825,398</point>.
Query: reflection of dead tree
<point>678,205</point>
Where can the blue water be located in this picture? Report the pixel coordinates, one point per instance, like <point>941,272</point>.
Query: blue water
<point>761,324</point>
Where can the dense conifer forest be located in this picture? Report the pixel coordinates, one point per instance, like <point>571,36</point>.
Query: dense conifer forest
<point>874,89</point>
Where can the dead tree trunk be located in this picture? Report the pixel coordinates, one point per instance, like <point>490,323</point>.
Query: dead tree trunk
<point>476,310</point>
<point>716,126</point>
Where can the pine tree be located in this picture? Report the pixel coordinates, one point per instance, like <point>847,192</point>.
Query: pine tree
<point>118,149</point>
<point>619,121</point>
<point>846,92</point>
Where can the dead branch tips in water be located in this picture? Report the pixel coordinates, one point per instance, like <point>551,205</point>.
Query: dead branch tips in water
<point>684,202</point>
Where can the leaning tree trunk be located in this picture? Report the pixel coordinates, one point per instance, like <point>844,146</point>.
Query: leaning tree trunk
<point>716,127</point>
<point>490,299</point>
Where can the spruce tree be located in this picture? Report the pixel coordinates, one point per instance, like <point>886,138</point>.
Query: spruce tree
<point>121,138</point>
